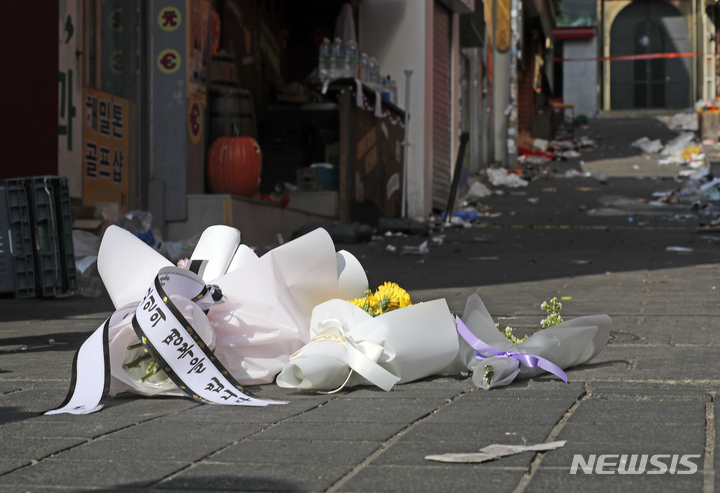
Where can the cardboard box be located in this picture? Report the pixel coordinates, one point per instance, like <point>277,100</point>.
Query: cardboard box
<point>317,180</point>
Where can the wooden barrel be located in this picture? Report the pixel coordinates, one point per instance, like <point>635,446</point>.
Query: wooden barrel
<point>223,71</point>
<point>228,103</point>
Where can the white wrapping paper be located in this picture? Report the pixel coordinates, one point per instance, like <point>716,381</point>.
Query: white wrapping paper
<point>127,265</point>
<point>567,344</point>
<point>265,316</point>
<point>352,280</point>
<point>217,245</point>
<point>399,346</point>
<point>243,256</point>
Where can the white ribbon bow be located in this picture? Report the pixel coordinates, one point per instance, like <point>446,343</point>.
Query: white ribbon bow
<point>359,356</point>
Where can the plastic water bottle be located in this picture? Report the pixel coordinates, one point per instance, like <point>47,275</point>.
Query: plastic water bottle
<point>324,60</point>
<point>374,76</point>
<point>350,65</point>
<point>384,93</point>
<point>336,59</point>
<point>363,73</point>
<point>392,87</point>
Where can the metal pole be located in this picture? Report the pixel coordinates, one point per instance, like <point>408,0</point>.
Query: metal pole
<point>464,137</point>
<point>406,145</point>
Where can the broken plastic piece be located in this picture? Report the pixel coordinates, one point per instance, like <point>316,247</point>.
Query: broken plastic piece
<point>496,451</point>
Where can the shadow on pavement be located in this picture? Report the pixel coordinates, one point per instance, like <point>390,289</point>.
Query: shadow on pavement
<point>65,341</point>
<point>53,308</point>
<point>214,483</point>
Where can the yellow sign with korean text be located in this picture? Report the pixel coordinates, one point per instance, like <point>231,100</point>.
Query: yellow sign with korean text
<point>106,148</point>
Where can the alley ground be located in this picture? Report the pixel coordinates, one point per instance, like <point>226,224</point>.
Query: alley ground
<point>599,242</point>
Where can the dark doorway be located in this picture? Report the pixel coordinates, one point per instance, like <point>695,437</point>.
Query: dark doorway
<point>646,27</point>
<point>649,75</point>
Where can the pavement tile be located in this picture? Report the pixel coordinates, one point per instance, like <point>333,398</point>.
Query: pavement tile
<point>716,454</point>
<point>431,478</point>
<point>36,428</point>
<point>7,465</point>
<point>9,414</point>
<point>370,411</point>
<point>373,432</point>
<point>32,402</point>
<point>621,413</point>
<point>173,449</point>
<point>498,412</point>
<point>272,391</point>
<point>340,453</point>
<point>648,391</point>
<point>57,364</point>
<point>651,363</point>
<point>130,407</point>
<point>159,430</point>
<point>35,448</point>
<point>56,489</point>
<point>241,478</point>
<point>636,433</point>
<point>248,414</point>
<point>447,388</point>
<point>481,433</point>
<point>10,387</point>
<point>99,473</point>
<point>538,388</point>
<point>561,480</point>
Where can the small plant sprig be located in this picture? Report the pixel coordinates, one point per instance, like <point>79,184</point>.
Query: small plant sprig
<point>553,310</point>
<point>508,333</point>
<point>553,318</point>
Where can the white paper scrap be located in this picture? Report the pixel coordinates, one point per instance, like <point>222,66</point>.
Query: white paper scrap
<point>496,451</point>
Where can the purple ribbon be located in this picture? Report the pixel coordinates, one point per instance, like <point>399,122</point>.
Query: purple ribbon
<point>529,360</point>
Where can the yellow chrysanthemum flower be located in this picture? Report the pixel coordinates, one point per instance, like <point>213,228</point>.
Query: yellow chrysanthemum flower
<point>392,296</point>
<point>388,297</point>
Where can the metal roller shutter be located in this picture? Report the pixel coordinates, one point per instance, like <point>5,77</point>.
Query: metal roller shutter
<point>441,106</point>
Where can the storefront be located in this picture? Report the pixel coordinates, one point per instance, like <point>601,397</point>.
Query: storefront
<point>139,101</point>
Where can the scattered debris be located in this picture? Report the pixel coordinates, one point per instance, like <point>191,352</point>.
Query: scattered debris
<point>421,249</point>
<point>648,146</point>
<point>496,451</point>
<point>573,173</point>
<point>684,121</point>
<point>678,249</point>
<point>478,190</point>
<point>501,176</point>
<point>601,176</point>
<point>678,144</point>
